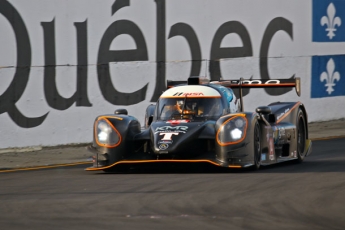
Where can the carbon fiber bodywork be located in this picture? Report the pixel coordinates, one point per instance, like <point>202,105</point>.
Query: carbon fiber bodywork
<point>272,134</point>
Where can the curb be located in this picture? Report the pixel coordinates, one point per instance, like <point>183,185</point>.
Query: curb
<point>3,170</point>
<point>327,138</point>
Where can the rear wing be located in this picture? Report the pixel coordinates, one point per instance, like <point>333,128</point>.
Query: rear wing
<point>255,83</point>
<point>242,83</point>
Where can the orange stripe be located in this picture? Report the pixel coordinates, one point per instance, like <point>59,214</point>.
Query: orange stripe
<point>160,161</point>
<point>235,166</point>
<point>265,85</point>
<point>288,112</point>
<point>118,118</point>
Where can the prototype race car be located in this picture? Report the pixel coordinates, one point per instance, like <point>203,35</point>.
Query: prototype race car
<point>199,121</point>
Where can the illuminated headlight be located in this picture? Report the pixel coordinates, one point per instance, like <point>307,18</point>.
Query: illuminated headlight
<point>236,134</point>
<point>232,130</point>
<point>106,134</point>
<point>104,131</point>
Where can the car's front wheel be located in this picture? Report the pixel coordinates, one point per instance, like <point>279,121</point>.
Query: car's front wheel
<point>257,146</point>
<point>301,136</point>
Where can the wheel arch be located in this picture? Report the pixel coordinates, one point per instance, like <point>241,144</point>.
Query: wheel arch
<point>302,107</point>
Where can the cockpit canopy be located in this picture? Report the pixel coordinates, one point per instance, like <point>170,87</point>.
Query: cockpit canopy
<point>193,102</point>
<point>200,108</point>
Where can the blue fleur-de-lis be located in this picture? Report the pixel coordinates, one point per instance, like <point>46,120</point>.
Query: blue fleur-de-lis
<point>331,21</point>
<point>330,76</point>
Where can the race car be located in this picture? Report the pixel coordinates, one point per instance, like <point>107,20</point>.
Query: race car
<point>202,121</point>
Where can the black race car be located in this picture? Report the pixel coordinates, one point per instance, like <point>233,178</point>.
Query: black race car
<point>199,121</point>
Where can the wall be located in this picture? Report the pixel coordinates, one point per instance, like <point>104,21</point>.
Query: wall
<point>63,62</point>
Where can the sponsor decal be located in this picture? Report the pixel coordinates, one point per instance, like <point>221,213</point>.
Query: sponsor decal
<point>177,122</point>
<point>271,148</point>
<point>179,94</point>
<point>167,129</point>
<point>282,114</point>
<point>328,76</point>
<point>275,133</point>
<point>163,146</point>
<point>328,21</point>
<point>165,142</point>
<point>270,141</point>
<point>288,135</point>
<point>260,82</point>
<point>281,132</point>
<point>263,157</point>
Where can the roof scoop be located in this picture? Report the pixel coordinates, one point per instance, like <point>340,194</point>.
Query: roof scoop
<point>197,80</point>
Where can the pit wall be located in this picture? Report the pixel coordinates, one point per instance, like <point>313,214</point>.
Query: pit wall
<point>63,62</point>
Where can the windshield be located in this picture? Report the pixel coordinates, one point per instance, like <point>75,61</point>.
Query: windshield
<point>189,108</point>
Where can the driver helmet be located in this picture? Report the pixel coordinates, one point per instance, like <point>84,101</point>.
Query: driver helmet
<point>189,108</point>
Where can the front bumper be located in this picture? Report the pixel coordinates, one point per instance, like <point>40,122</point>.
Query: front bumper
<point>101,161</point>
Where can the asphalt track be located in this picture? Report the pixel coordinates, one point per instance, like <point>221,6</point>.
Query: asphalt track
<point>310,195</point>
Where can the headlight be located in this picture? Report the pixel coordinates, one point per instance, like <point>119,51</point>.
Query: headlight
<point>106,134</point>
<point>233,130</point>
<point>239,123</point>
<point>236,134</point>
<point>103,131</point>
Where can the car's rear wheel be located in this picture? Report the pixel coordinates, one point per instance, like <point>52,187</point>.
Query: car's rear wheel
<point>257,146</point>
<point>301,135</point>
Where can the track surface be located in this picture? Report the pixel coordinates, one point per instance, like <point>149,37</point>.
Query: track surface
<point>310,195</point>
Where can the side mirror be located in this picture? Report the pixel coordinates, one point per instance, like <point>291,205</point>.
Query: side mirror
<point>121,112</point>
<point>263,110</point>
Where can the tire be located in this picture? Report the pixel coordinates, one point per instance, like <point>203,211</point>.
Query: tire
<point>301,136</point>
<point>257,146</point>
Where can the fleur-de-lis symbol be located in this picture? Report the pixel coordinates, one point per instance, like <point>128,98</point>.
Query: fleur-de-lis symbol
<point>331,21</point>
<point>330,76</point>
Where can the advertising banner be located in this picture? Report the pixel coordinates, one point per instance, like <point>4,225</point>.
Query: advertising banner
<point>328,76</point>
<point>63,62</point>
<point>328,17</point>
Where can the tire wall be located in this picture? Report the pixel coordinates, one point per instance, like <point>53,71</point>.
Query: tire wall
<point>63,62</point>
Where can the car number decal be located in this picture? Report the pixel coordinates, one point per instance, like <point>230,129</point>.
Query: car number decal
<point>167,136</point>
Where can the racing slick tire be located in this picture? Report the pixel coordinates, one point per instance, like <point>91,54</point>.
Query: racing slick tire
<point>257,146</point>
<point>301,136</point>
